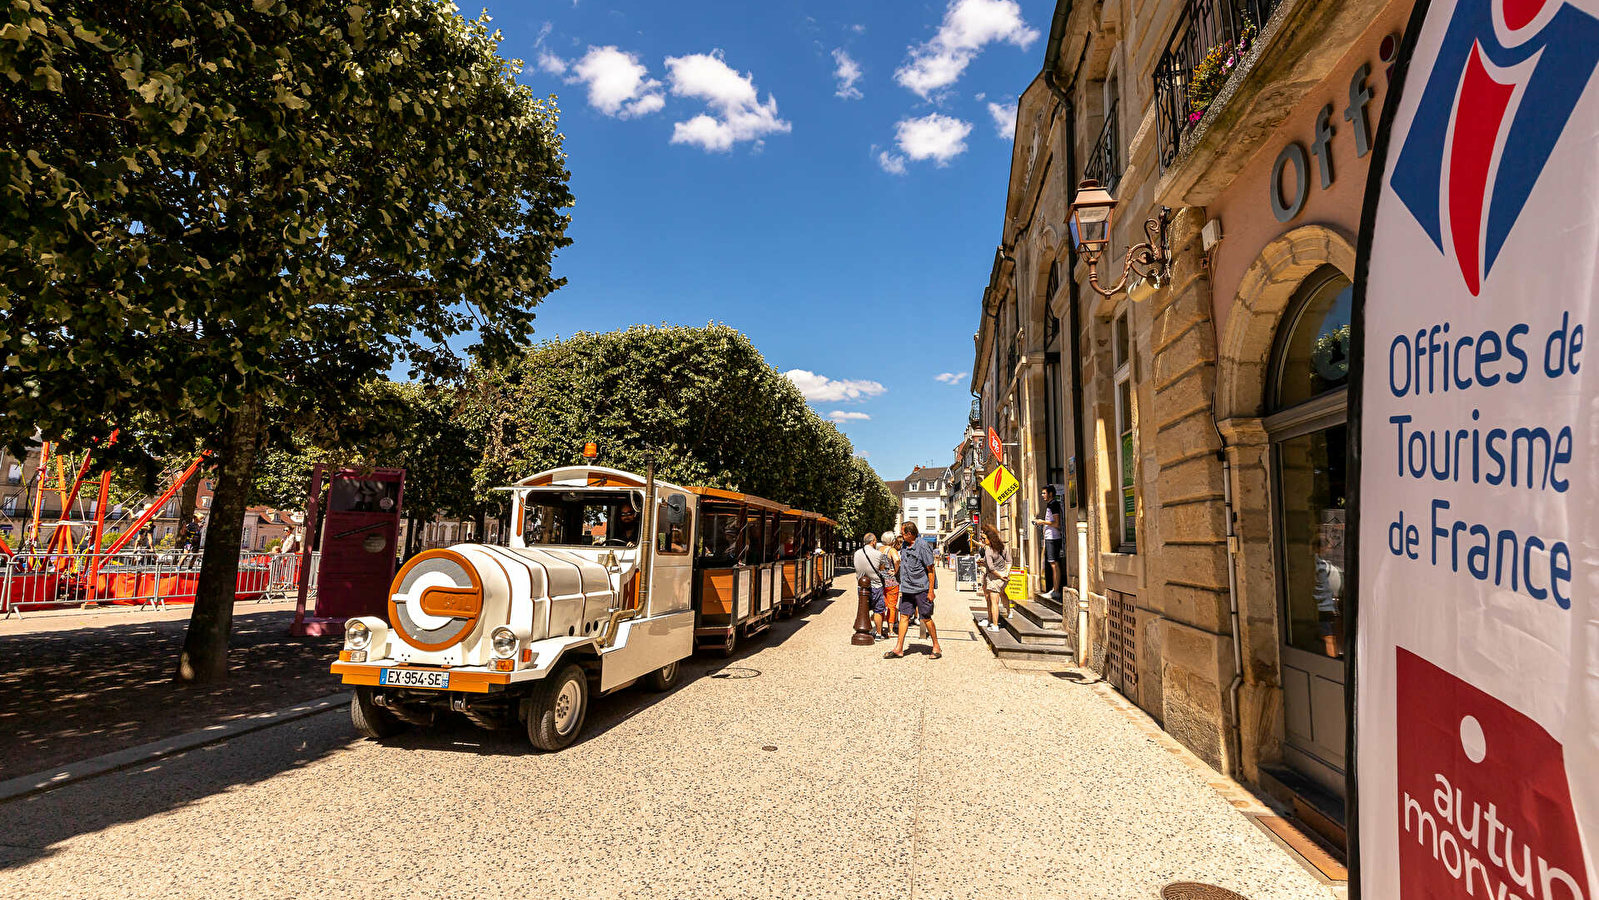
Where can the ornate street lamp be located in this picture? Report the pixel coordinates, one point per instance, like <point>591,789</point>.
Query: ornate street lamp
<point>1093,213</point>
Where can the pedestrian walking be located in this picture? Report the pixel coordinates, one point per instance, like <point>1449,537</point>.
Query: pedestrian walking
<point>996,574</point>
<point>918,582</point>
<point>1052,542</point>
<point>890,550</point>
<point>869,563</point>
<point>189,538</point>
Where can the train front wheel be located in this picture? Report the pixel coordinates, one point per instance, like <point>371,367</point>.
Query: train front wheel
<point>560,704</point>
<point>372,720</point>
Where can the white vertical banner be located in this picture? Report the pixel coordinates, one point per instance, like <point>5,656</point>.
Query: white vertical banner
<point>1477,639</point>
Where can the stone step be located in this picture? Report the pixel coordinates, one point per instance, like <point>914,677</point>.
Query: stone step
<point>1039,612</point>
<point>1029,632</point>
<point>1006,646</point>
<point>1045,602</point>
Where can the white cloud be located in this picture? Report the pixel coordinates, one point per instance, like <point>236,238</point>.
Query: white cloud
<point>821,388</point>
<point>937,137</point>
<point>951,377</point>
<point>841,416</point>
<point>736,111</point>
<point>619,85</point>
<point>858,28</point>
<point>551,63</point>
<point>847,73</point>
<point>892,163</point>
<point>968,26</point>
<point>1004,119</point>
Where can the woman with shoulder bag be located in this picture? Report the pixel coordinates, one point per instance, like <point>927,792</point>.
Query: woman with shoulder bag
<point>995,561</point>
<point>889,572</point>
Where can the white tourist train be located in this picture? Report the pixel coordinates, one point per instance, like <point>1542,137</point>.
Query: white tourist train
<point>577,605</point>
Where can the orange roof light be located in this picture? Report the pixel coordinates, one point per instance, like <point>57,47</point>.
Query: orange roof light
<point>591,450</point>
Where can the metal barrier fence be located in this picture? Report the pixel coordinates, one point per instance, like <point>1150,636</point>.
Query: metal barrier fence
<point>144,578</point>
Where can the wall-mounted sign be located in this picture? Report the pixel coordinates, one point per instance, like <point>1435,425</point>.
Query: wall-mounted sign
<point>995,448</point>
<point>1001,484</point>
<point>1476,689</point>
<point>1284,205</point>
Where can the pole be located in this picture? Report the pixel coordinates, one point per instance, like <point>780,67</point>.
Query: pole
<point>312,493</point>
<point>99,531</point>
<point>32,533</point>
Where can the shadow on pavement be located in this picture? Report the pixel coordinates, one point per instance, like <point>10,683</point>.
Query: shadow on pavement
<point>75,694</point>
<point>33,828</point>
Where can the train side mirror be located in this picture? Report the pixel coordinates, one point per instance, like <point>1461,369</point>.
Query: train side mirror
<point>676,509</point>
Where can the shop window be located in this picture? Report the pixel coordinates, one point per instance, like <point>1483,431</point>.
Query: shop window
<point>1307,424</point>
<point>1127,500</point>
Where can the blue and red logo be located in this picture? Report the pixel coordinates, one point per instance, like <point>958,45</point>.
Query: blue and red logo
<point>1504,85</point>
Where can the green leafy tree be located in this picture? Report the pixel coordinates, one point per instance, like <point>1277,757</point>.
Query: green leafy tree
<point>868,505</point>
<point>218,208</point>
<point>701,401</point>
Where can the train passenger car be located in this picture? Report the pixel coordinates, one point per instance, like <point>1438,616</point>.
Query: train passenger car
<point>736,567</point>
<point>594,593</point>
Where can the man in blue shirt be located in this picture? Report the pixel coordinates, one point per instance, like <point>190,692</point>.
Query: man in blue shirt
<point>917,582</point>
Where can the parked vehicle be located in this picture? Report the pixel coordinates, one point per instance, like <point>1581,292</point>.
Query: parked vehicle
<point>600,588</point>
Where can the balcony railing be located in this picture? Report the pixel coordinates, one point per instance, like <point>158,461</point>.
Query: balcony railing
<point>1204,25</point>
<point>1104,161</point>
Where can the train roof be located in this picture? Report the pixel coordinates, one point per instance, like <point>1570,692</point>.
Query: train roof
<point>592,476</point>
<point>736,497</point>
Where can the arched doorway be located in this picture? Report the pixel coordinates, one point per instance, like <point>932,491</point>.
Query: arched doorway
<point>1306,425</point>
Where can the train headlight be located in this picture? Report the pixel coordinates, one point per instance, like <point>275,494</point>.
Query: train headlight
<point>503,642</point>
<point>356,635</point>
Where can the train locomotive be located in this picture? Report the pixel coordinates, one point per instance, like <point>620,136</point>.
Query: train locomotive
<point>609,579</point>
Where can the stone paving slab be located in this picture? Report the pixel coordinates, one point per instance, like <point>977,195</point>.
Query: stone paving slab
<point>919,778</point>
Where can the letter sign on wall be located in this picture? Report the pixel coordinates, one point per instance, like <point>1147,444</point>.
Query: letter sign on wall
<point>1476,449</point>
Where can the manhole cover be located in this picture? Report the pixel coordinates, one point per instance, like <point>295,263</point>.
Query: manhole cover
<point>735,672</point>
<point>1193,890</point>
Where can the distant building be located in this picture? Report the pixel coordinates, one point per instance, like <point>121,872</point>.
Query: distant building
<point>920,499</point>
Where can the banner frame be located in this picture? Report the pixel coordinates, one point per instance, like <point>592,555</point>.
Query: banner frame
<point>1376,173</point>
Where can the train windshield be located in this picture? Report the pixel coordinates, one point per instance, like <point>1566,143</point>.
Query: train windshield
<point>582,518</point>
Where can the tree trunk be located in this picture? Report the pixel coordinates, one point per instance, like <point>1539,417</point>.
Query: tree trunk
<point>205,645</point>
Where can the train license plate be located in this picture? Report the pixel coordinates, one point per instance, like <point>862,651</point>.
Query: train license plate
<point>414,678</point>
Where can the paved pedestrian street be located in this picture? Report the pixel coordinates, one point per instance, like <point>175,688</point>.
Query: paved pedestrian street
<point>803,767</point>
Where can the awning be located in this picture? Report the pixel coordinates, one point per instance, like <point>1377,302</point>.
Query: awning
<point>950,538</point>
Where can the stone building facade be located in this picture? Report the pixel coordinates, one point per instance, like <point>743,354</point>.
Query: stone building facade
<point>1195,424</point>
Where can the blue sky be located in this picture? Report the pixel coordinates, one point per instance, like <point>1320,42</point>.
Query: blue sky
<point>827,177</point>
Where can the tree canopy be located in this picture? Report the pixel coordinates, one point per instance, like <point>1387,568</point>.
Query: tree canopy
<point>702,401</point>
<point>217,207</point>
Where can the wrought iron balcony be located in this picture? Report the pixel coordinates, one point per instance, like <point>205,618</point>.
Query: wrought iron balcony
<point>1104,161</point>
<point>1222,30</point>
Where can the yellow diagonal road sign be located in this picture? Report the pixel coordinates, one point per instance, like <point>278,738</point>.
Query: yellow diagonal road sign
<point>1001,484</point>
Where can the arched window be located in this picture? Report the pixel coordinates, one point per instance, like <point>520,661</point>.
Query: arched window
<point>1307,404</point>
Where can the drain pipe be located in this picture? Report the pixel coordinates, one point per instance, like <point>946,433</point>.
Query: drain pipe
<point>1237,685</point>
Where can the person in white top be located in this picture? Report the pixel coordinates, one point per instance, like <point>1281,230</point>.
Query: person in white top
<point>1052,542</point>
<point>870,563</point>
